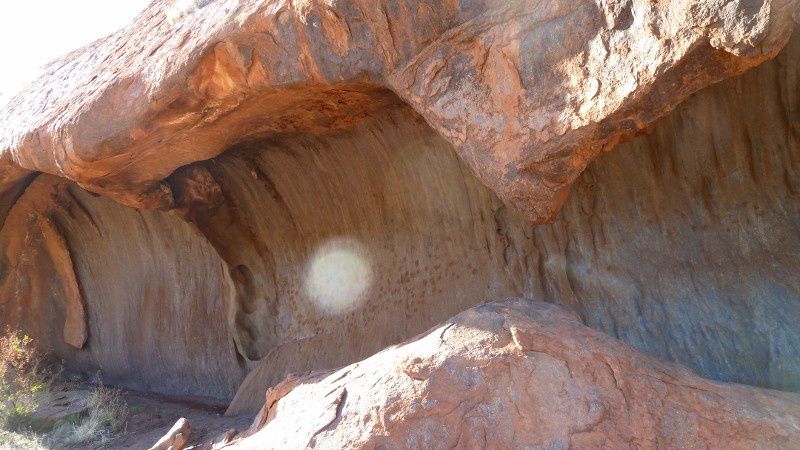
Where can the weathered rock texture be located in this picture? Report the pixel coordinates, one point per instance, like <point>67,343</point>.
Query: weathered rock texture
<point>681,243</point>
<point>392,135</point>
<point>528,92</point>
<point>155,291</point>
<point>685,242</point>
<point>519,374</point>
<point>390,188</point>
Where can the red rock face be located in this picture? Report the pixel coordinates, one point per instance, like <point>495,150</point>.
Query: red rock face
<point>294,186</point>
<point>517,374</point>
<point>527,92</point>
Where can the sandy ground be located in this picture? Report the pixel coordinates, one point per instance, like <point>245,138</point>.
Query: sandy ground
<point>152,416</point>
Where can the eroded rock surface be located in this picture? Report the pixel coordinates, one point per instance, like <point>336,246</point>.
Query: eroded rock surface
<point>528,92</point>
<point>146,293</point>
<point>520,374</point>
<point>683,243</point>
<point>390,198</point>
<point>273,146</point>
<point>189,306</point>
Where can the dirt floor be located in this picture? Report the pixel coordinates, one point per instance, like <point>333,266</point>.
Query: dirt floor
<point>152,416</point>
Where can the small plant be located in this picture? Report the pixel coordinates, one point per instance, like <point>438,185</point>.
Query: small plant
<point>21,441</point>
<point>107,415</point>
<point>22,381</point>
<point>25,386</point>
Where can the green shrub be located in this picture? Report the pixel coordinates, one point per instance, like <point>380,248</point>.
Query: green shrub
<point>107,415</point>
<point>25,386</point>
<point>22,381</point>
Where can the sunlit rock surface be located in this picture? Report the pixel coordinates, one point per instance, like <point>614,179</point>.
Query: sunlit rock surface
<point>527,92</point>
<point>519,374</point>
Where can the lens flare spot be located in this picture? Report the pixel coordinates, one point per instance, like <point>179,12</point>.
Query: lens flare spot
<point>338,276</point>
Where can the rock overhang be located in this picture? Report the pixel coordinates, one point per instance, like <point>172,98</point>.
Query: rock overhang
<point>527,92</point>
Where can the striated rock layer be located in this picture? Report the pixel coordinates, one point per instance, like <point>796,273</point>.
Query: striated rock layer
<point>519,374</point>
<point>389,195</point>
<point>685,242</point>
<point>153,293</point>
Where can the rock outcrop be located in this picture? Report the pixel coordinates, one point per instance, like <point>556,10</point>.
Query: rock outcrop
<point>221,195</point>
<point>527,92</point>
<point>663,241</point>
<point>519,374</point>
<point>664,245</point>
<point>683,242</point>
<point>176,438</point>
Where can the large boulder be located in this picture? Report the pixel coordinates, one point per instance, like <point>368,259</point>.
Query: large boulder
<point>519,374</point>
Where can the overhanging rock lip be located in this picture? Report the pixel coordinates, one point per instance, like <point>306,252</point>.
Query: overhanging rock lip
<point>121,114</point>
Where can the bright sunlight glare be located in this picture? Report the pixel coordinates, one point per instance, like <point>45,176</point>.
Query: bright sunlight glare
<point>35,32</point>
<point>338,276</point>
